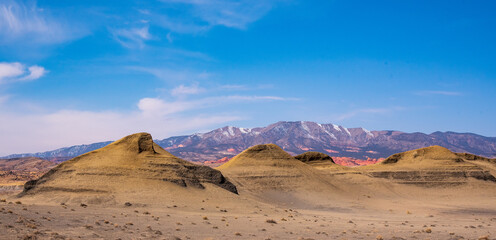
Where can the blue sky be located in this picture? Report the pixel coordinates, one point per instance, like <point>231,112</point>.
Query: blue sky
<point>74,72</point>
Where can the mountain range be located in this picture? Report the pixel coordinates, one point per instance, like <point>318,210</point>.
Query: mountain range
<point>347,146</point>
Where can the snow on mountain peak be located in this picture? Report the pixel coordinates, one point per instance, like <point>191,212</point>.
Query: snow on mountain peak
<point>245,130</point>
<point>367,132</point>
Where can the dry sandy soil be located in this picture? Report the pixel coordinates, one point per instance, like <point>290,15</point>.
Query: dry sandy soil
<point>360,218</point>
<point>279,197</point>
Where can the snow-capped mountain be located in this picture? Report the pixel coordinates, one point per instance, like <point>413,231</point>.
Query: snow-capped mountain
<point>350,146</point>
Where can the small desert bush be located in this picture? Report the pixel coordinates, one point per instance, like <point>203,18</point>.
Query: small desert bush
<point>271,221</point>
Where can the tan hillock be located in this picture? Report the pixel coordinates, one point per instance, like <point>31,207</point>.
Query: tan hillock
<point>433,166</point>
<point>131,168</point>
<point>267,167</point>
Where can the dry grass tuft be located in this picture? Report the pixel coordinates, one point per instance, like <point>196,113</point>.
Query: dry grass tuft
<point>271,221</point>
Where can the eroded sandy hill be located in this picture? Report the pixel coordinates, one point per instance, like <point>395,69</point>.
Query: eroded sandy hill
<point>133,168</point>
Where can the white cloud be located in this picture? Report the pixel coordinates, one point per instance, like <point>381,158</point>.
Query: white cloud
<point>19,21</point>
<point>35,72</point>
<point>10,70</point>
<point>42,132</point>
<point>22,132</point>
<point>14,72</point>
<point>159,107</point>
<point>183,90</point>
<point>132,37</point>
<point>437,92</point>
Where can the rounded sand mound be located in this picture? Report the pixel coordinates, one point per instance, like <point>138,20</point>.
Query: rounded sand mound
<point>434,155</point>
<point>433,166</point>
<point>261,155</point>
<point>267,167</point>
<point>132,166</point>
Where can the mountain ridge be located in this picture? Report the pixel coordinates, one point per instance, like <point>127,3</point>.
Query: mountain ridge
<point>351,146</point>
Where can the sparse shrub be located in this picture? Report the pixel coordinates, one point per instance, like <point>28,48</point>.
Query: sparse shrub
<point>18,202</point>
<point>271,221</point>
<point>205,218</point>
<point>428,230</point>
<point>237,234</point>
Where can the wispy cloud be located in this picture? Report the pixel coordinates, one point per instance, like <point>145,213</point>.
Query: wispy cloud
<point>44,131</point>
<point>234,87</point>
<point>15,72</point>
<point>172,75</point>
<point>258,98</point>
<point>162,107</point>
<point>4,99</point>
<point>19,21</point>
<point>437,92</point>
<point>162,118</point>
<point>132,37</point>
<point>246,87</point>
<point>359,112</point>
<point>183,90</point>
<point>207,14</point>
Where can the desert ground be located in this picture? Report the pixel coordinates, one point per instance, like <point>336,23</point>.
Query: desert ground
<point>143,192</point>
